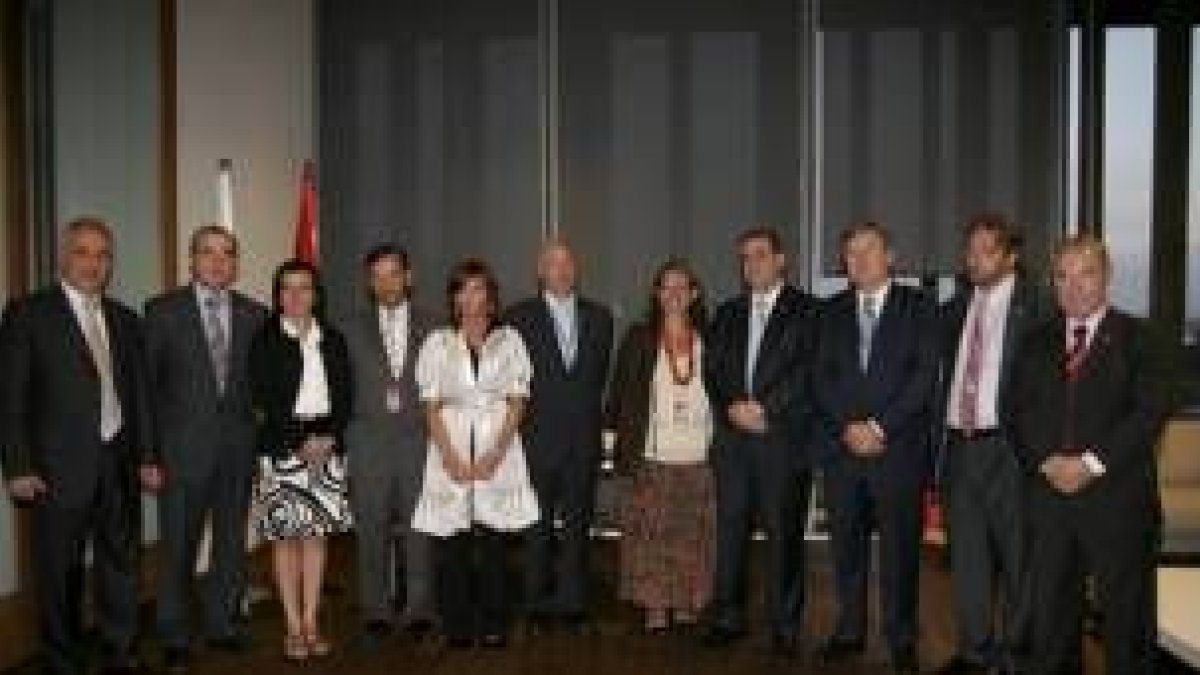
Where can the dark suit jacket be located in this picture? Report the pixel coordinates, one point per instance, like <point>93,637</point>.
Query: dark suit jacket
<point>897,391</point>
<point>780,374</point>
<point>1028,309</point>
<point>1122,399</point>
<point>276,367</point>
<point>384,437</point>
<point>192,419</point>
<point>563,420</point>
<point>627,410</point>
<point>50,400</point>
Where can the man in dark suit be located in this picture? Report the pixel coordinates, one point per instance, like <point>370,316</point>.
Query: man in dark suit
<point>1089,397</point>
<point>980,478</point>
<point>756,367</point>
<point>569,339</point>
<point>875,376</point>
<point>197,341</point>
<point>77,442</point>
<point>387,445</point>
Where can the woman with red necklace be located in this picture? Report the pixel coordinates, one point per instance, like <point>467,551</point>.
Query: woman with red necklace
<point>660,412</point>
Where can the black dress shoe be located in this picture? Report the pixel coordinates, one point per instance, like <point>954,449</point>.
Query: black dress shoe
<point>419,629</point>
<point>837,649</point>
<point>718,637</point>
<point>236,642</point>
<point>175,660</point>
<point>493,641</point>
<point>372,637</point>
<point>960,665</point>
<point>785,646</point>
<point>904,662</point>
<point>458,643</point>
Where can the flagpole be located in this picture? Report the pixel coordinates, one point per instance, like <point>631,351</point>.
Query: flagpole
<point>225,193</point>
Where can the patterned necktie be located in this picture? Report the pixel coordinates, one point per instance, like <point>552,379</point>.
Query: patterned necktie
<point>758,324</point>
<point>968,403</point>
<point>218,340</point>
<point>868,318</point>
<point>97,341</point>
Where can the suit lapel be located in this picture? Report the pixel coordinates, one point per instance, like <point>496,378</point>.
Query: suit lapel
<point>775,323</point>
<point>550,334</point>
<point>73,330</point>
<point>882,333</point>
<point>741,336</point>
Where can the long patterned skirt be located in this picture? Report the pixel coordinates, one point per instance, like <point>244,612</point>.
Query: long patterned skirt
<point>668,539</point>
<point>294,499</point>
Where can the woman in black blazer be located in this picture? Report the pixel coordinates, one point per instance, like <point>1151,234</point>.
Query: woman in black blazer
<point>300,374</point>
<point>660,411</point>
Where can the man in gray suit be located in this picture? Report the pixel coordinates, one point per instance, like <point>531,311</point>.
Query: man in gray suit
<point>197,340</point>
<point>386,443</point>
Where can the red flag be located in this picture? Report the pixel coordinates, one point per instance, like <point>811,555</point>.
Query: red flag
<point>306,220</point>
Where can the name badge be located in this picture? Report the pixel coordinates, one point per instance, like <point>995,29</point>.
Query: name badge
<point>393,399</point>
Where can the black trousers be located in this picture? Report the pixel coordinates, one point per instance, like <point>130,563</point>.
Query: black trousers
<point>1116,547</point>
<point>111,521</point>
<point>862,494</point>
<point>556,563</point>
<point>472,574</point>
<point>984,509</point>
<point>222,494</point>
<point>759,478</point>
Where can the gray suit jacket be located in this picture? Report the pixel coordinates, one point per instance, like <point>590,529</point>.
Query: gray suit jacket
<point>192,420</point>
<point>379,440</point>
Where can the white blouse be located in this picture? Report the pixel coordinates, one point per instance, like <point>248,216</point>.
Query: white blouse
<point>681,422</point>
<point>473,406</point>
<point>312,399</point>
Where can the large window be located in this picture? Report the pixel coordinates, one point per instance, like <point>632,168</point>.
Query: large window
<point>1129,161</point>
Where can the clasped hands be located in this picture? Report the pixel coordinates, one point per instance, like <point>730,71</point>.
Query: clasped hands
<point>483,467</point>
<point>748,415</point>
<point>316,449</point>
<point>864,438</point>
<point>1066,472</point>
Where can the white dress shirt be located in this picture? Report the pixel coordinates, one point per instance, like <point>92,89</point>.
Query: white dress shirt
<point>89,310</point>
<point>312,400</point>
<point>393,326</point>
<point>994,304</point>
<point>564,311</point>
<point>878,297</point>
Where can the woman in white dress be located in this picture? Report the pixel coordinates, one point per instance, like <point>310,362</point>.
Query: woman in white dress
<point>474,380</point>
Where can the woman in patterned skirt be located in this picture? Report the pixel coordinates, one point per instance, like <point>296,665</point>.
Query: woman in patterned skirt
<point>660,411</point>
<point>300,374</point>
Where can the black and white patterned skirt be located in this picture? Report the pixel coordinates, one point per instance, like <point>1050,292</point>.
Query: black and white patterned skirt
<point>294,499</point>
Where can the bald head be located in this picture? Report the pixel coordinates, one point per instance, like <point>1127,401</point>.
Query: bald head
<point>556,267</point>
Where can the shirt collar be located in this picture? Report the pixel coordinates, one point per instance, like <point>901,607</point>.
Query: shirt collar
<point>768,296</point>
<point>311,337</point>
<point>400,311</point>
<point>559,302</point>
<point>879,295</point>
<point>205,293</point>
<point>998,294</point>
<point>78,299</point>
<point>1092,321</point>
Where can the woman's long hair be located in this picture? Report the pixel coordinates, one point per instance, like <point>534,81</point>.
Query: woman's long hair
<point>697,311</point>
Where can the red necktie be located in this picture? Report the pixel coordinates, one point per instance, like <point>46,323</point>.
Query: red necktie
<point>1078,351</point>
